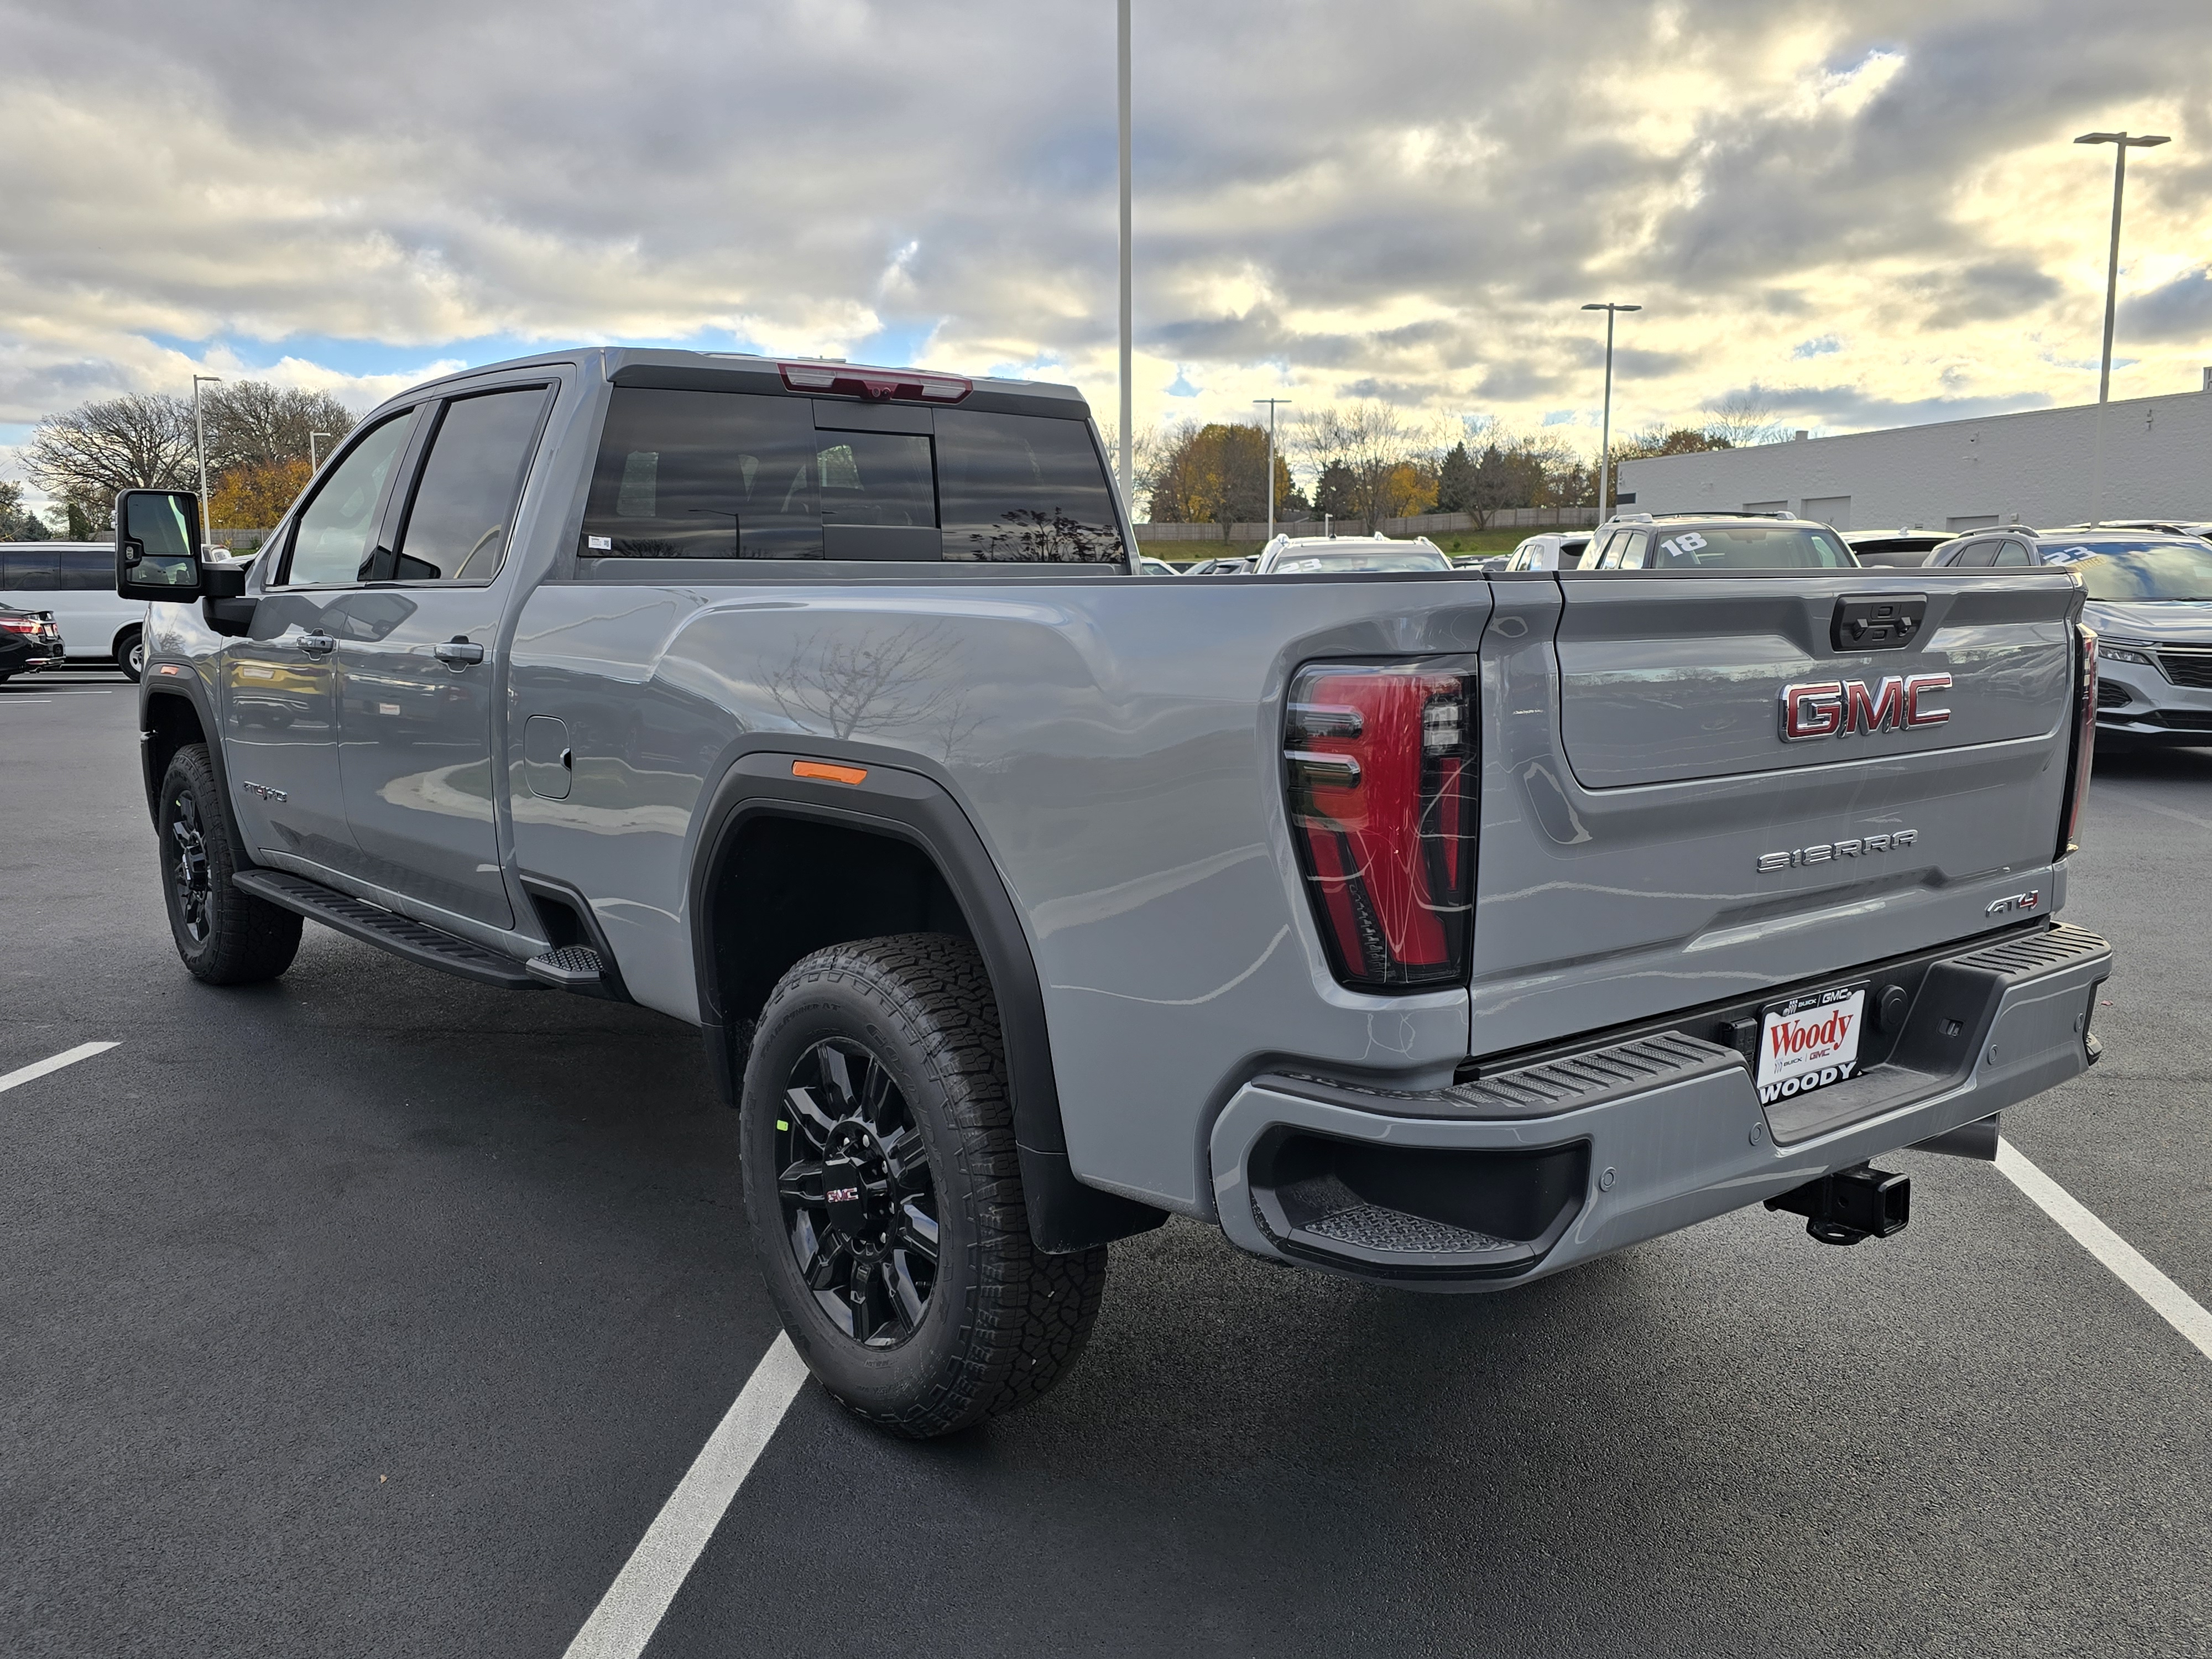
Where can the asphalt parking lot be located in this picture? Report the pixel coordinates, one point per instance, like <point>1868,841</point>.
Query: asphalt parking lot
<point>374,1312</point>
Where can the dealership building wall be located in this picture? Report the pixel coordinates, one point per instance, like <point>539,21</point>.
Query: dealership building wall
<point>2036,468</point>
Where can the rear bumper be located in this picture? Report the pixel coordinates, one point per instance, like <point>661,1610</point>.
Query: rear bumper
<point>1533,1169</point>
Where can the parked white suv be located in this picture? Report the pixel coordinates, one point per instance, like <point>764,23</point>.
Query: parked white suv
<point>76,581</point>
<point>1339,556</point>
<point>1553,550</point>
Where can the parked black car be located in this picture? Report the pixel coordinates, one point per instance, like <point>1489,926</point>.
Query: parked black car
<point>29,641</point>
<point>1896,549</point>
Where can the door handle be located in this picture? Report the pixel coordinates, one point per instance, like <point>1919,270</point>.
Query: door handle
<point>459,651</point>
<point>315,644</point>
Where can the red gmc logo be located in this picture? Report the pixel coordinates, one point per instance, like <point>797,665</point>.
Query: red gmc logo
<point>1841,708</point>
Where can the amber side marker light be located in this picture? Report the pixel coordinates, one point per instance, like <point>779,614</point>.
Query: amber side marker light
<point>828,773</point>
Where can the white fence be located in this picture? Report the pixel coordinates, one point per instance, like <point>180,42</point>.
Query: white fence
<point>1505,517</point>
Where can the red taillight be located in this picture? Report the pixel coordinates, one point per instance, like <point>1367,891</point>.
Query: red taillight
<point>22,625</point>
<point>856,381</point>
<point>2085,738</point>
<point>1381,764</point>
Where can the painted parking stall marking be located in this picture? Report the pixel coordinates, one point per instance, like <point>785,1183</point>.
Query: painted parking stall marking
<point>1810,1042</point>
<point>2167,1299</point>
<point>633,1607</point>
<point>42,1068</point>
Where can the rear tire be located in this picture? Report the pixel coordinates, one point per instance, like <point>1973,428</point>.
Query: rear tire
<point>224,936</point>
<point>130,655</point>
<point>885,1191</point>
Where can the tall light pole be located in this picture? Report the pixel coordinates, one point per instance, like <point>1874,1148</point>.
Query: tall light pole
<point>1128,399</point>
<point>313,462</point>
<point>1605,427</point>
<point>1271,403</point>
<point>199,443</point>
<point>2121,142</point>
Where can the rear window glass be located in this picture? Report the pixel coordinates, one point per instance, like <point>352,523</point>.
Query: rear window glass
<point>1750,547</point>
<point>1022,489</point>
<point>718,475</point>
<point>2138,570</point>
<point>704,475</point>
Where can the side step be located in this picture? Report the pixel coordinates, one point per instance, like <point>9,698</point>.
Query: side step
<point>434,947</point>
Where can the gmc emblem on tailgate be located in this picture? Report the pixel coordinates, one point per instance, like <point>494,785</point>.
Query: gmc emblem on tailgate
<point>1843,708</point>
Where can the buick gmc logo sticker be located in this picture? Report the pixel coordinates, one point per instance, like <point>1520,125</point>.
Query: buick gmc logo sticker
<point>1845,709</point>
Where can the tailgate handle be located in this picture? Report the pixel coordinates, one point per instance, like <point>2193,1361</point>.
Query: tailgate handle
<point>1877,621</point>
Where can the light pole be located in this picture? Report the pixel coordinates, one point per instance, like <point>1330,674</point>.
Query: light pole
<point>1128,400</point>
<point>313,462</point>
<point>1271,403</point>
<point>2121,142</point>
<point>199,443</point>
<point>1605,426</point>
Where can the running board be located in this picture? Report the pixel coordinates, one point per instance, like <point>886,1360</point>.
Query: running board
<point>434,947</point>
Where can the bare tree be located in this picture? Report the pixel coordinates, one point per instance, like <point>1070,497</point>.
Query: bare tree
<point>1362,445</point>
<point>907,682</point>
<point>253,423</point>
<point>1743,418</point>
<point>1150,447</point>
<point>83,457</point>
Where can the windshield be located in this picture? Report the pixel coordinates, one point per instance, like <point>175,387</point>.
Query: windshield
<point>1751,547</point>
<point>1379,557</point>
<point>2138,569</point>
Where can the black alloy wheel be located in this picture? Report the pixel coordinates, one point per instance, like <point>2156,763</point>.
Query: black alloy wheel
<point>859,1208</point>
<point>224,936</point>
<point>189,885</point>
<point>884,1190</point>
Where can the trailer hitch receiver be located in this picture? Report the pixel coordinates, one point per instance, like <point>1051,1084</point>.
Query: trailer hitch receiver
<point>1851,1205</point>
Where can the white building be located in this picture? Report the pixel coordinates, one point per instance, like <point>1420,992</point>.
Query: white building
<point>2036,468</point>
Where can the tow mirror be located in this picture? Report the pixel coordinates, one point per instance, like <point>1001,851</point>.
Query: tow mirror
<point>157,542</point>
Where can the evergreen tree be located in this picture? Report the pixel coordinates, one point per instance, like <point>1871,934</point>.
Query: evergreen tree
<point>1456,480</point>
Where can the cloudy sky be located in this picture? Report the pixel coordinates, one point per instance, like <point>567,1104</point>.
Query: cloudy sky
<point>1870,210</point>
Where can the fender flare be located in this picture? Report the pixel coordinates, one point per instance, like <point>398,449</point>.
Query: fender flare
<point>186,686</point>
<point>894,802</point>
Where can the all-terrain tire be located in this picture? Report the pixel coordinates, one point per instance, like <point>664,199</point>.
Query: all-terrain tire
<point>1003,1321</point>
<point>224,936</point>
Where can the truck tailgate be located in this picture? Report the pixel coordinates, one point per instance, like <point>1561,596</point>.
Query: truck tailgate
<point>1691,848</point>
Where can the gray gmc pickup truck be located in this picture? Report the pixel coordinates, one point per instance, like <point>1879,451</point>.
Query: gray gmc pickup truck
<point>1440,929</point>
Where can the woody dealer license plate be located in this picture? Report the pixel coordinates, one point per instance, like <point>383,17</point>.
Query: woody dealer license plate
<point>1810,1042</point>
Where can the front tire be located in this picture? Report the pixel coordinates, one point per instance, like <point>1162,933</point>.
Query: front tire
<point>885,1191</point>
<point>224,936</point>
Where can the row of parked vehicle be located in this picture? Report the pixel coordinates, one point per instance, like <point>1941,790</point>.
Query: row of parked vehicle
<point>2147,581</point>
<point>69,586</point>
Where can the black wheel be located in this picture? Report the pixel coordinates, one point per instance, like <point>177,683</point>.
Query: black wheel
<point>225,937</point>
<point>130,655</point>
<point>885,1194</point>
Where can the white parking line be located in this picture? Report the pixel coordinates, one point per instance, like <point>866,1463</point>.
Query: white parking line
<point>632,1608</point>
<point>2130,799</point>
<point>39,1069</point>
<point>2170,1302</point>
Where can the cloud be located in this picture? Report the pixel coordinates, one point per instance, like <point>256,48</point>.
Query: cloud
<point>350,197</point>
<point>2178,310</point>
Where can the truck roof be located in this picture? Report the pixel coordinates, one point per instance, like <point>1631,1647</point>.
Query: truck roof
<point>735,371</point>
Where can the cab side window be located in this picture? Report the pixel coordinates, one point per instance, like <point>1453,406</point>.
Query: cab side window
<point>2013,555</point>
<point>1631,550</point>
<point>1976,554</point>
<point>1605,552</point>
<point>337,530</point>
<point>465,494</point>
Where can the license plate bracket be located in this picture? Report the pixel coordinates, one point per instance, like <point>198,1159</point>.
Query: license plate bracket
<point>1810,1042</point>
